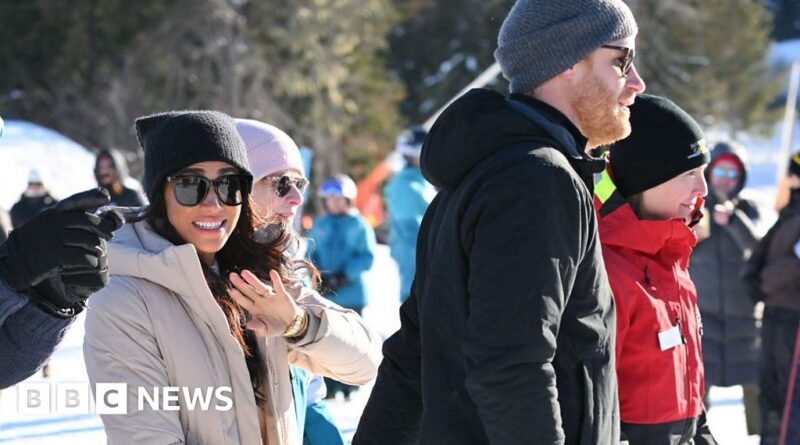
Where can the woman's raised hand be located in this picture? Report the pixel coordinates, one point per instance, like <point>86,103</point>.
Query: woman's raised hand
<point>271,307</point>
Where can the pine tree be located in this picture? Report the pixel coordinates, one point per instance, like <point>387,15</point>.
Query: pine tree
<point>710,57</point>
<point>328,60</point>
<point>313,67</point>
<point>707,55</point>
<point>441,46</point>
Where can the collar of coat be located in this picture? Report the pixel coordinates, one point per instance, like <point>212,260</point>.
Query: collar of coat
<point>619,226</point>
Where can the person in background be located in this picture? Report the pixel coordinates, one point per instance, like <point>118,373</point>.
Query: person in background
<point>654,187</point>
<point>34,199</point>
<point>408,195</point>
<point>279,184</point>
<point>111,171</point>
<point>343,248</point>
<point>196,300</point>
<point>726,237</point>
<point>772,275</point>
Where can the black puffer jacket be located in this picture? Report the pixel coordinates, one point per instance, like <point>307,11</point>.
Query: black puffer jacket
<point>730,331</point>
<point>28,206</point>
<point>772,274</point>
<point>508,335</point>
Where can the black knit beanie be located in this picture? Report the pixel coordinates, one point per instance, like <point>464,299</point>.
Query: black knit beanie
<point>794,164</point>
<point>664,142</point>
<point>175,140</point>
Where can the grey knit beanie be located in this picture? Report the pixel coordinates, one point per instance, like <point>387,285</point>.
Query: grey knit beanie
<point>541,38</point>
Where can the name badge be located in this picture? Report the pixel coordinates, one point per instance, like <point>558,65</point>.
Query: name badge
<point>670,338</point>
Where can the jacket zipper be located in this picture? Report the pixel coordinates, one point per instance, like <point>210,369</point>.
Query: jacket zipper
<point>722,315</point>
<point>273,382</point>
<point>687,379</point>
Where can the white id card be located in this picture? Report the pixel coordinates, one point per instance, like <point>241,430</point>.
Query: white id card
<point>670,338</point>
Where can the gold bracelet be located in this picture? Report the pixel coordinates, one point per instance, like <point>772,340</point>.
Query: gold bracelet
<point>298,326</point>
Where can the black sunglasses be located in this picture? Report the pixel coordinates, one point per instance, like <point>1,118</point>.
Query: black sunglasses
<point>191,190</point>
<point>283,184</point>
<point>626,61</point>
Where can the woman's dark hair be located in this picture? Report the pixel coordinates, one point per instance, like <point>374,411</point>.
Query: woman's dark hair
<point>241,251</point>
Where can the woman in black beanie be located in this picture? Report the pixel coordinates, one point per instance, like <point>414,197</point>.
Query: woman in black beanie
<point>195,303</point>
<point>647,201</point>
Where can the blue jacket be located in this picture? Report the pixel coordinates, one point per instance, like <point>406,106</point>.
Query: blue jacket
<point>407,197</point>
<point>28,336</point>
<point>314,420</point>
<point>344,244</point>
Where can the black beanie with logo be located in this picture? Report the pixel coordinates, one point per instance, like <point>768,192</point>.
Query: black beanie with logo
<point>794,164</point>
<point>664,142</point>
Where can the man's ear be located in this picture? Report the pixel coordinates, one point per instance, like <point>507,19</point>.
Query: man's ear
<point>574,73</point>
<point>569,74</point>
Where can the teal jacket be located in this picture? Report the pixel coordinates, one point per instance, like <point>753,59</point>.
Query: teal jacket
<point>407,195</point>
<point>344,244</point>
<point>314,420</point>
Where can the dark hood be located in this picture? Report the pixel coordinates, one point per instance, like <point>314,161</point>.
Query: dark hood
<point>738,152</point>
<point>474,126</point>
<point>794,202</point>
<point>120,164</point>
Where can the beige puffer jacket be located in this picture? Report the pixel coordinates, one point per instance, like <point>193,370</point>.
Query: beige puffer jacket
<point>156,324</point>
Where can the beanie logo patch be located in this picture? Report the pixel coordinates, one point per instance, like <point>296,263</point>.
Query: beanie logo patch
<point>699,148</point>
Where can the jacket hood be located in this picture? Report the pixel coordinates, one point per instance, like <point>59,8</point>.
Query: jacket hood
<point>794,202</point>
<point>736,152</point>
<point>617,221</point>
<point>473,127</point>
<point>138,251</point>
<point>120,164</point>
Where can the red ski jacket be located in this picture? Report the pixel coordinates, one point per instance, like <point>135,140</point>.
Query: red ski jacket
<point>658,351</point>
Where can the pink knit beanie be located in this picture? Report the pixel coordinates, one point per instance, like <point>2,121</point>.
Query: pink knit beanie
<point>269,149</point>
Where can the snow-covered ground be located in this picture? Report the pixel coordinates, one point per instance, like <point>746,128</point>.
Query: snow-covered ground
<point>66,165</point>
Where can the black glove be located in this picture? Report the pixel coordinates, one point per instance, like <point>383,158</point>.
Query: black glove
<point>58,258</point>
<point>333,280</point>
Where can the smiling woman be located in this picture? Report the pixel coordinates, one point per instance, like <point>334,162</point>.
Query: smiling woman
<point>205,219</point>
<point>196,302</point>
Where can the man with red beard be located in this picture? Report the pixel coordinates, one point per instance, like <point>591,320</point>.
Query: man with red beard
<point>508,334</point>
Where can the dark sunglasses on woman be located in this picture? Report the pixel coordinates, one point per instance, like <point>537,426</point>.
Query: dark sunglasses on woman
<point>191,190</point>
<point>283,184</point>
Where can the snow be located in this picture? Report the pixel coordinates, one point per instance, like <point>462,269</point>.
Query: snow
<point>25,145</point>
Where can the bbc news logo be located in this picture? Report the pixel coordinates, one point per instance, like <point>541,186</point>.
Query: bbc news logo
<point>112,398</point>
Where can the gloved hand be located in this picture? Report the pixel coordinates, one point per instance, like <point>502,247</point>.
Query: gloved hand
<point>332,281</point>
<point>58,258</point>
